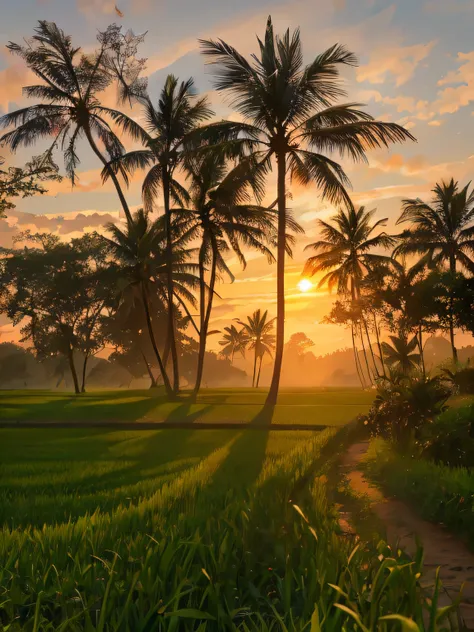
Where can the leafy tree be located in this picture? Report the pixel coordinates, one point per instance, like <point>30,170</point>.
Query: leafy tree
<point>69,107</point>
<point>233,341</point>
<point>224,220</point>
<point>169,125</point>
<point>442,231</point>
<point>58,292</point>
<point>260,339</point>
<point>25,181</point>
<point>293,117</point>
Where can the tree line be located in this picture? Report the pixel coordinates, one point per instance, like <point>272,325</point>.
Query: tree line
<point>209,177</point>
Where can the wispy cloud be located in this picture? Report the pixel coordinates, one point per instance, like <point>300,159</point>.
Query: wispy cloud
<point>397,63</point>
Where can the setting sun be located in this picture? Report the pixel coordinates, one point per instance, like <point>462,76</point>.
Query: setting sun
<point>305,285</point>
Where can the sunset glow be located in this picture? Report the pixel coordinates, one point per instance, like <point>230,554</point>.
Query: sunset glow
<point>305,285</point>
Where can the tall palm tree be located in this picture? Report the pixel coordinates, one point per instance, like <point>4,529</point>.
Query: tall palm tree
<point>259,331</point>
<point>233,341</point>
<point>345,254</point>
<point>69,107</point>
<point>442,231</point>
<point>224,220</point>
<point>401,355</point>
<point>140,250</point>
<point>293,116</point>
<point>168,126</point>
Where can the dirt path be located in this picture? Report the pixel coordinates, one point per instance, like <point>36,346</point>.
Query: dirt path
<point>402,525</point>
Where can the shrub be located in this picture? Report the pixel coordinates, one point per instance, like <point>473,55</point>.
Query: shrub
<point>461,379</point>
<point>450,439</point>
<point>403,407</point>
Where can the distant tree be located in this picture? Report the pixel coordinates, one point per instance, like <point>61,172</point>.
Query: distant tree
<point>22,182</point>
<point>293,116</point>
<point>58,292</point>
<point>442,232</point>
<point>233,341</point>
<point>345,254</point>
<point>298,345</point>
<point>260,339</point>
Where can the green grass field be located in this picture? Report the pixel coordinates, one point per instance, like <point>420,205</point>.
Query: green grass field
<point>189,530</point>
<point>295,406</point>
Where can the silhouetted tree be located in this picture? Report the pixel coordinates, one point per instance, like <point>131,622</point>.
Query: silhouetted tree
<point>293,116</point>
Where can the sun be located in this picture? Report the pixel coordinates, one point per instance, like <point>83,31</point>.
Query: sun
<point>305,285</point>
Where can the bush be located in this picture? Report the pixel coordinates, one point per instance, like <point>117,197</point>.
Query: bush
<point>450,439</point>
<point>402,408</point>
<point>461,379</point>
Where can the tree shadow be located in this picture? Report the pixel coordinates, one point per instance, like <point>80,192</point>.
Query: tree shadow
<point>246,454</point>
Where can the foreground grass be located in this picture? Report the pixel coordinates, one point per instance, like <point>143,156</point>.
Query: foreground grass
<point>215,545</point>
<point>439,493</point>
<point>331,407</point>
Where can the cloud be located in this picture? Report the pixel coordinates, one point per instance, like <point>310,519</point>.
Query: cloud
<point>460,82</point>
<point>398,62</point>
<point>453,6</point>
<point>12,79</point>
<point>436,123</point>
<point>91,8</point>
<point>418,108</point>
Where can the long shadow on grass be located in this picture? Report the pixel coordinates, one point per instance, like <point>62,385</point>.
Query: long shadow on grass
<point>246,454</point>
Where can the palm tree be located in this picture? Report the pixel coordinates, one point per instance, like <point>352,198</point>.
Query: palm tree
<point>140,250</point>
<point>261,340</point>
<point>168,127</point>
<point>233,341</point>
<point>345,254</point>
<point>223,218</point>
<point>293,116</point>
<point>69,108</point>
<point>401,355</point>
<point>442,232</point>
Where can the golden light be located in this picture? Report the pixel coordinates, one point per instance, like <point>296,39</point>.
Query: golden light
<point>305,285</point>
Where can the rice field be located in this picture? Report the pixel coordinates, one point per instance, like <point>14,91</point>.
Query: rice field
<point>104,530</point>
<point>328,406</point>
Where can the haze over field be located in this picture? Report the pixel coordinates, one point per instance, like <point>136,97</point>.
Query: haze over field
<point>416,68</point>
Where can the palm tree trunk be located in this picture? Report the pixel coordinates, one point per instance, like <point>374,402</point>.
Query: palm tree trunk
<point>254,368</point>
<point>205,310</point>
<point>452,267</point>
<point>84,371</point>
<point>420,344</point>
<point>356,357</point>
<point>149,371</point>
<point>379,346</point>
<point>113,176</point>
<point>169,391</point>
<point>281,251</point>
<point>259,370</point>
<point>169,280</point>
<point>72,366</point>
<point>376,370</point>
<point>365,355</point>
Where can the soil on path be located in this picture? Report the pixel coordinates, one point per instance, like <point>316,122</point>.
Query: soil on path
<point>441,549</point>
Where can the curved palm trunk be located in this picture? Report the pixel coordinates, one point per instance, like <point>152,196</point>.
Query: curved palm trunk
<point>420,345</point>
<point>254,376</point>
<point>372,355</point>
<point>369,377</point>
<point>280,325</point>
<point>205,310</point>
<point>113,177</point>
<point>379,346</point>
<point>452,268</point>
<point>149,371</point>
<point>171,341</point>
<point>146,305</point>
<point>356,357</point>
